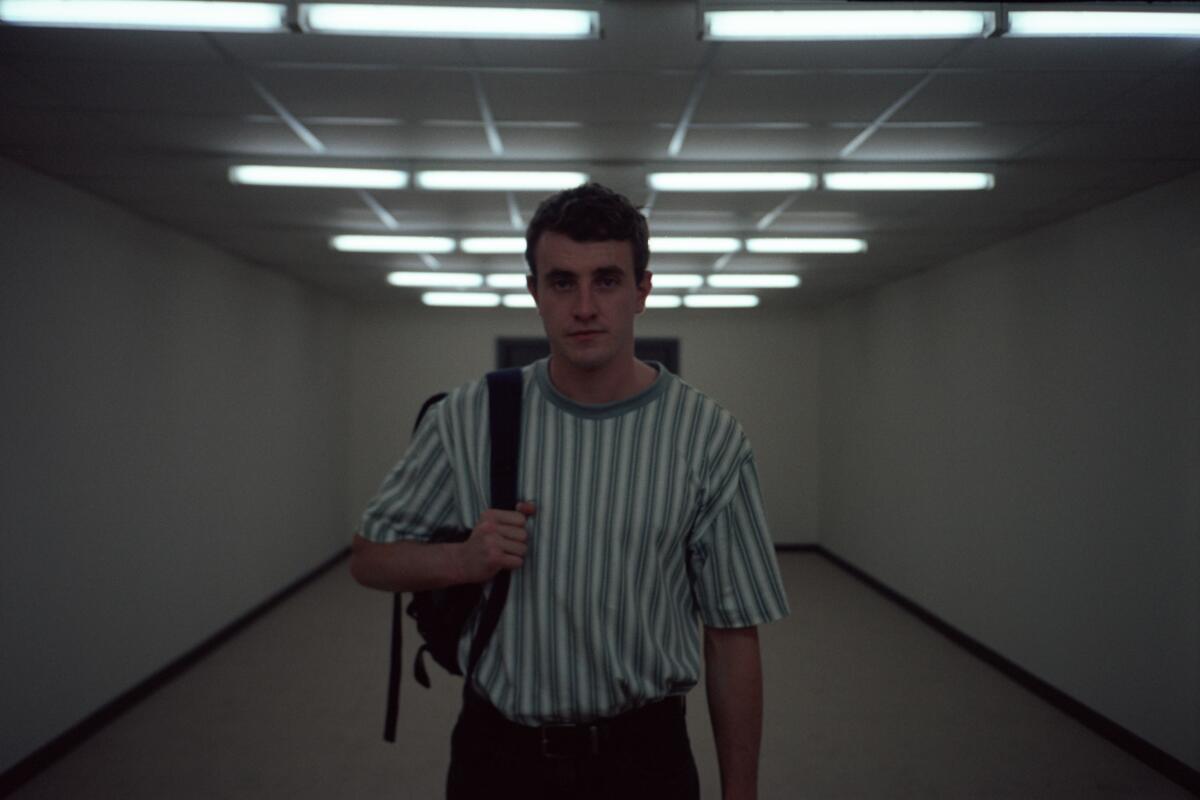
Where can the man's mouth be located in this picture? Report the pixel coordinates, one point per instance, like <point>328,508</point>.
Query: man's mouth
<point>575,334</point>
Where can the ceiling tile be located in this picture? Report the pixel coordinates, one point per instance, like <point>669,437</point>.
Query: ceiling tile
<point>1013,97</point>
<point>1122,140</point>
<point>48,45</point>
<point>983,142</point>
<point>1060,55</point>
<point>60,128</point>
<point>805,97</point>
<point>1167,97</point>
<point>587,95</point>
<point>404,93</point>
<point>17,91</point>
<point>864,55</point>
<point>229,135</point>
<point>328,51</point>
<point>109,86</point>
<point>764,144</point>
<point>591,141</point>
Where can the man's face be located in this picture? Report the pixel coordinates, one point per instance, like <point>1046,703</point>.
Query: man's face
<point>587,298</point>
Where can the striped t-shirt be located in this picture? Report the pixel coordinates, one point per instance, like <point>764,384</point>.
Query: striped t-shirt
<point>649,521</point>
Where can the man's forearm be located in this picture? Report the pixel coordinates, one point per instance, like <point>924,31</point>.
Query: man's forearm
<point>734,685</point>
<point>404,566</point>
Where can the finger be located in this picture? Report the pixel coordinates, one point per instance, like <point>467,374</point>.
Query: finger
<point>527,508</point>
<point>513,548</point>
<point>513,532</point>
<point>513,518</point>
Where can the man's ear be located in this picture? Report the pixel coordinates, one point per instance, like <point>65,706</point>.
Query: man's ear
<point>643,289</point>
<point>531,285</point>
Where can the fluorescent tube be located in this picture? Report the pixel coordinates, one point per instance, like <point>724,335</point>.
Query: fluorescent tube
<point>857,24</point>
<point>519,301</point>
<point>675,280</point>
<point>907,181</point>
<point>1103,23</point>
<point>694,244</point>
<point>436,280</point>
<point>720,300</point>
<point>392,244</point>
<point>805,245</point>
<point>164,15</point>
<point>507,280</point>
<point>461,299</point>
<point>334,177</point>
<point>493,244</point>
<point>731,181</point>
<point>734,281</point>
<point>664,301</point>
<point>475,22</point>
<point>483,180</point>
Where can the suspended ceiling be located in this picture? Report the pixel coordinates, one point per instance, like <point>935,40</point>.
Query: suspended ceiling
<point>153,120</point>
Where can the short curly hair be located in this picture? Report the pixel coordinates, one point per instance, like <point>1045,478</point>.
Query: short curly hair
<point>591,213</point>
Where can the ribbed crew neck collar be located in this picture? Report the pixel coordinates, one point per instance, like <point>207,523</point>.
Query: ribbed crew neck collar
<point>541,371</point>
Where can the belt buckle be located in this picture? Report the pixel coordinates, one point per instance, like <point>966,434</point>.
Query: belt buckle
<point>548,740</point>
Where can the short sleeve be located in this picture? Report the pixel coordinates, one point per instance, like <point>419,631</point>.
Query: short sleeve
<point>731,557</point>
<point>417,497</point>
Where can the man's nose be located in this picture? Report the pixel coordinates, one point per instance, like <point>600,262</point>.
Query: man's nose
<point>585,303</point>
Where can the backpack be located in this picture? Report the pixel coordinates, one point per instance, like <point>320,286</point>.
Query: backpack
<point>441,614</point>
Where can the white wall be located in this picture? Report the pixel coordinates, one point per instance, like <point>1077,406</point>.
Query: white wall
<point>1012,441</point>
<point>174,432</point>
<point>761,366</point>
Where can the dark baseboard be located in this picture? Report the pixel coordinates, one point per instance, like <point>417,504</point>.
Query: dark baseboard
<point>797,548</point>
<point>1139,748</point>
<point>46,755</point>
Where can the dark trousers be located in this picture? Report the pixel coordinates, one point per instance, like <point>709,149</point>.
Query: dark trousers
<point>642,754</point>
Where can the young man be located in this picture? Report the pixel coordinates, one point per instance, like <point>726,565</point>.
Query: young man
<point>641,519</point>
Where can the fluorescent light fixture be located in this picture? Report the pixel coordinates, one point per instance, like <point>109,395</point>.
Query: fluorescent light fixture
<point>805,245</point>
<point>163,15</point>
<point>503,181</point>
<point>664,301</point>
<point>475,22</point>
<point>667,280</point>
<point>392,244</point>
<point>731,181</point>
<point>720,300</point>
<point>907,181</point>
<point>506,280</point>
<point>334,177</point>
<point>461,299</point>
<point>519,301</point>
<point>436,280</point>
<point>493,244</point>
<point>694,244</point>
<point>734,281</point>
<point>857,24</point>
<point>1103,23</point>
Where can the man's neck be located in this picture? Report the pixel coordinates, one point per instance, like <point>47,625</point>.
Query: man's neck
<point>621,379</point>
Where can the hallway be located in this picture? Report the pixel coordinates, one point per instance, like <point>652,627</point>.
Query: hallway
<point>863,701</point>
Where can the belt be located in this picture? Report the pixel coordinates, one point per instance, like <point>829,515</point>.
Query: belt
<point>575,740</point>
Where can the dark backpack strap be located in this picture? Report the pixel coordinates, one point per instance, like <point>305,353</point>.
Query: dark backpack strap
<point>396,657</point>
<point>395,667</point>
<point>504,419</point>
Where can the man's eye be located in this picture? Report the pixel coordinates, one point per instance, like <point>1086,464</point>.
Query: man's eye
<point>608,281</point>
